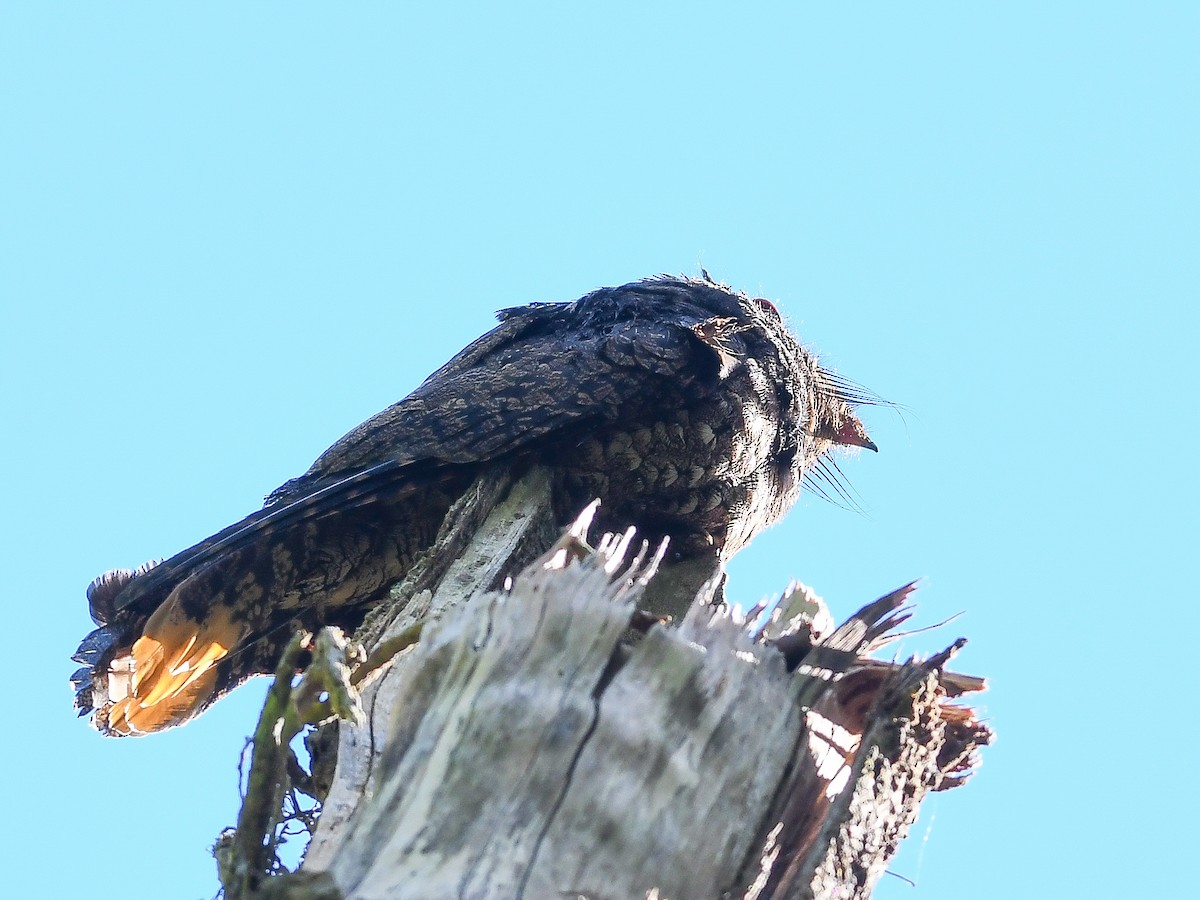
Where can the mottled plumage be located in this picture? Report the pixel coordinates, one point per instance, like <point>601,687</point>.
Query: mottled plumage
<point>689,409</point>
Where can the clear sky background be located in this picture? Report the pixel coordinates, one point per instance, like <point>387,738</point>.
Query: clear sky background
<point>229,233</point>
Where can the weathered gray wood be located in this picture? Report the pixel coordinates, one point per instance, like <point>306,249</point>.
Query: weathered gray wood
<point>522,749</point>
<point>493,530</point>
<point>681,762</point>
<point>495,716</point>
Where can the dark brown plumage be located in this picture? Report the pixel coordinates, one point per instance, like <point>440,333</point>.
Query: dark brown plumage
<point>689,409</point>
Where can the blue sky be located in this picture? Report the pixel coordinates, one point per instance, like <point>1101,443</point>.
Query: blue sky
<point>228,234</point>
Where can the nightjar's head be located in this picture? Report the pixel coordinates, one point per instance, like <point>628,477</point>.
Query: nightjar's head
<point>797,412</point>
<point>815,406</point>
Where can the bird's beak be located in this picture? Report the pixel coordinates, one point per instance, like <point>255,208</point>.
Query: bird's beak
<point>851,433</point>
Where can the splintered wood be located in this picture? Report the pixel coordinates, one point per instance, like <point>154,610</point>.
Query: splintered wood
<point>525,748</point>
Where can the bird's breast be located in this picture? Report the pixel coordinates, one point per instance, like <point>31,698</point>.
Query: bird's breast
<point>701,474</point>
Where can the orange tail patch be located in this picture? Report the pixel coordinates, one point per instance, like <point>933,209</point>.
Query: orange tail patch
<point>170,671</point>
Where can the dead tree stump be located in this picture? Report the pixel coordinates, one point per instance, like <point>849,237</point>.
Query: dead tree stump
<point>524,747</point>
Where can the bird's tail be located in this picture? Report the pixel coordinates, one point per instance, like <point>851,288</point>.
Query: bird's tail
<point>146,673</point>
<point>175,636</point>
<point>170,673</point>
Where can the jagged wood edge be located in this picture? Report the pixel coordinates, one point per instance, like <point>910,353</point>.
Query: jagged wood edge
<point>314,884</point>
<point>559,604</point>
<point>905,736</point>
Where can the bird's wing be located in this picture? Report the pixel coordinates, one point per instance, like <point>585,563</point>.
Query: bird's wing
<point>537,374</point>
<point>541,371</point>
